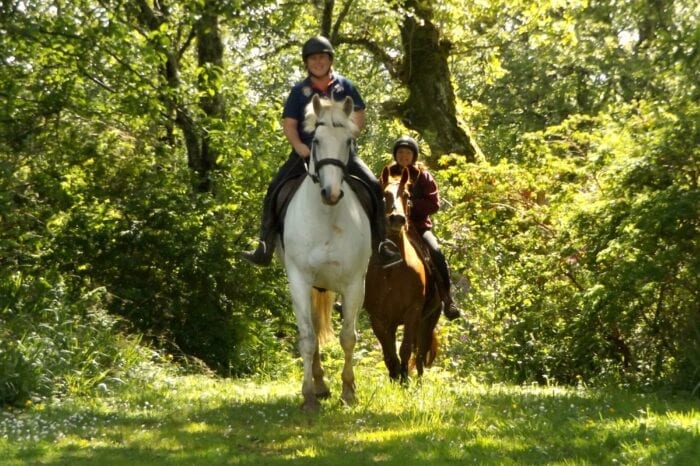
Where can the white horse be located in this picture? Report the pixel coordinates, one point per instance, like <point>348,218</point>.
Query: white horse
<point>326,247</point>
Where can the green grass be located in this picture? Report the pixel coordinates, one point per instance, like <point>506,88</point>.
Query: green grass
<point>166,419</point>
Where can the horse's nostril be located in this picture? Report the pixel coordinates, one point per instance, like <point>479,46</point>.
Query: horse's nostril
<point>397,219</point>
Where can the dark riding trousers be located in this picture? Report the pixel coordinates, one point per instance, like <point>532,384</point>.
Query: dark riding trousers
<point>436,255</point>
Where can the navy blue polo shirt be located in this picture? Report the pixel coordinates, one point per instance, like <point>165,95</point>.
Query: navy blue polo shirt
<point>302,92</point>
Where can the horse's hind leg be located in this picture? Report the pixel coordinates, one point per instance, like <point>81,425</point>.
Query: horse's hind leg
<point>322,390</point>
<point>408,344</point>
<point>424,338</point>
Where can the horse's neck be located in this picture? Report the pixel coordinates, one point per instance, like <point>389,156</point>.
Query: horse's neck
<point>411,242</point>
<point>401,239</point>
<point>310,206</point>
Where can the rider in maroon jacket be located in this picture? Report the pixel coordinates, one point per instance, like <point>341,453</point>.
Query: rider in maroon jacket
<point>425,201</point>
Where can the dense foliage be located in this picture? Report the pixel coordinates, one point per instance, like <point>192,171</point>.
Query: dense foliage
<point>574,242</point>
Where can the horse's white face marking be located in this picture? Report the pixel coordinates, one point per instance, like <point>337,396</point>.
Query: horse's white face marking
<point>334,128</point>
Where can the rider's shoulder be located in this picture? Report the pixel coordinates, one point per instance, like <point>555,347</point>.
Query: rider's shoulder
<point>421,167</point>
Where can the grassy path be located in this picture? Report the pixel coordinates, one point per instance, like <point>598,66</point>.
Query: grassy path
<point>198,420</point>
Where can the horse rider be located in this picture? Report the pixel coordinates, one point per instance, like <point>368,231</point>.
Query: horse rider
<point>317,54</point>
<point>425,200</point>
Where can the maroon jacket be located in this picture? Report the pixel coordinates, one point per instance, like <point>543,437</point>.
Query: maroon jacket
<point>425,196</point>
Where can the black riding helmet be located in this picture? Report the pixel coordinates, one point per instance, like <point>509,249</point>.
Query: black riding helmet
<point>407,141</point>
<point>318,44</point>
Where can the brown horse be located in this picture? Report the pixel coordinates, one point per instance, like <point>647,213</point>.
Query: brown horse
<point>404,294</point>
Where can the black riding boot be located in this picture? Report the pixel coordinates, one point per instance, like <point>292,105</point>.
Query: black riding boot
<point>387,250</point>
<point>448,306</point>
<point>262,255</point>
<point>442,277</point>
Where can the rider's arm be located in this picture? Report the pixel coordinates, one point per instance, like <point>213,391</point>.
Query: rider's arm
<point>425,198</point>
<point>289,126</point>
<point>359,118</point>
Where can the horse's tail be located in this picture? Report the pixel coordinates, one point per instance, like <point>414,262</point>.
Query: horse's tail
<point>430,354</point>
<point>427,337</point>
<point>322,305</point>
<point>433,352</point>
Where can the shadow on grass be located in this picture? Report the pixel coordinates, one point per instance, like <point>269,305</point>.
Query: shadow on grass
<point>495,426</point>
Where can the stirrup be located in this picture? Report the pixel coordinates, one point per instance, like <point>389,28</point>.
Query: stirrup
<point>389,261</point>
<point>386,242</point>
<point>260,256</point>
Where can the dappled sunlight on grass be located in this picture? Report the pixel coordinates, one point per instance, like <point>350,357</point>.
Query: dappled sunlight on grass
<point>189,420</point>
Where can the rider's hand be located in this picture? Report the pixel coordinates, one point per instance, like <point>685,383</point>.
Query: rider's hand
<point>303,150</point>
<point>416,192</point>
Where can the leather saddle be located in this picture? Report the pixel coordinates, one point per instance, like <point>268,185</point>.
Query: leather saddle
<point>285,192</point>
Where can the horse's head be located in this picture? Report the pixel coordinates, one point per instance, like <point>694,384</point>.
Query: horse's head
<point>333,130</point>
<point>396,197</point>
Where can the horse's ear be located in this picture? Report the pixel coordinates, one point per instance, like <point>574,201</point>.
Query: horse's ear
<point>316,101</point>
<point>348,105</point>
<point>384,177</point>
<point>405,175</point>
<point>413,171</point>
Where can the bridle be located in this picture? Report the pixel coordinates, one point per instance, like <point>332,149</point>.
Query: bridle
<point>318,164</point>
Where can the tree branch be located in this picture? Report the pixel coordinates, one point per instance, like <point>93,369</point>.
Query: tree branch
<point>392,65</point>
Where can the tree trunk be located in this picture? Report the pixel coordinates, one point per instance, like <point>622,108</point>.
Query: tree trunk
<point>210,52</point>
<point>430,108</point>
<point>201,157</point>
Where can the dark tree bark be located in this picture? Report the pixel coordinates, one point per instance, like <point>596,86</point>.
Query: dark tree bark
<point>201,156</point>
<point>210,52</point>
<point>430,108</point>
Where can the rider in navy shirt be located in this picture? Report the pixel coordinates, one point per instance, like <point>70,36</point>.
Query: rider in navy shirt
<point>317,54</point>
<point>300,96</point>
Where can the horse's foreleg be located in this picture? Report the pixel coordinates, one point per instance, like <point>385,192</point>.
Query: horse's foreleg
<point>308,345</point>
<point>308,342</point>
<point>387,338</point>
<point>408,344</point>
<point>348,338</point>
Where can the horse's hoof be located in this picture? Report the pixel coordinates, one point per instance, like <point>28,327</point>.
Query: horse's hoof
<point>311,406</point>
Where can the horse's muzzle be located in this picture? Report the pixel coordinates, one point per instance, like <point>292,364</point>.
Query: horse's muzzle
<point>328,199</point>
<point>396,221</point>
